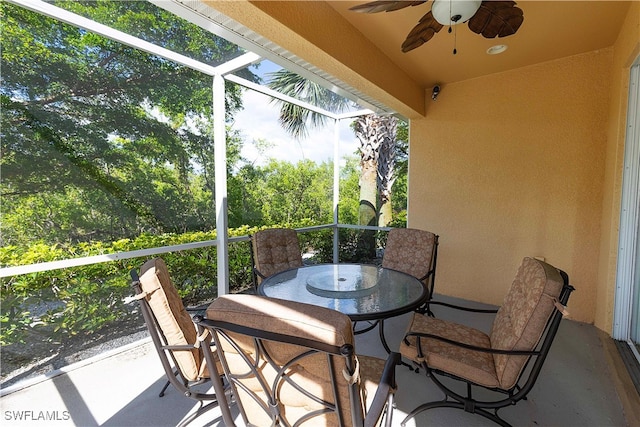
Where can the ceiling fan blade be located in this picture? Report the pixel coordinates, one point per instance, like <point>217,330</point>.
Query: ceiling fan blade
<point>384,6</point>
<point>421,33</point>
<point>496,19</point>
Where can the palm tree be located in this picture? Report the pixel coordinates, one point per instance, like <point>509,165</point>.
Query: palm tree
<point>293,118</point>
<point>386,167</point>
<point>376,134</point>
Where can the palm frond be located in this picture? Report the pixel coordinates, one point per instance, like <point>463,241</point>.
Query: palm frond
<point>297,120</point>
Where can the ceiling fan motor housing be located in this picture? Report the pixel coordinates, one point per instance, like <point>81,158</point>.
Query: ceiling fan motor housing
<point>452,12</point>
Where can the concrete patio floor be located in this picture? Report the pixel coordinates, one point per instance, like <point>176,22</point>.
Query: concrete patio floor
<point>576,387</point>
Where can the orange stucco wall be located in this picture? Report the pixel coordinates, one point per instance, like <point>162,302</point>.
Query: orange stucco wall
<point>512,165</point>
<point>527,162</point>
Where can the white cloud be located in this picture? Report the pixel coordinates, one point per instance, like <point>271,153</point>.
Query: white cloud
<point>259,120</point>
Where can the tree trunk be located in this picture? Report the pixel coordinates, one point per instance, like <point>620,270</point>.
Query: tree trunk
<point>384,218</point>
<point>386,170</point>
<point>367,131</point>
<point>366,247</point>
<point>368,193</point>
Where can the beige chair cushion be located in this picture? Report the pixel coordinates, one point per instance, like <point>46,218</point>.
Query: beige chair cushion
<point>276,250</point>
<point>410,251</point>
<point>173,319</point>
<point>522,318</point>
<point>312,373</point>
<point>518,325</point>
<point>472,365</point>
<point>283,317</point>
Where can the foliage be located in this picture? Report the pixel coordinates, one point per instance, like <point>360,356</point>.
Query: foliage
<point>349,191</point>
<point>107,149</point>
<point>103,141</point>
<point>296,120</point>
<point>287,193</point>
<point>349,249</point>
<point>280,192</point>
<point>399,189</point>
<point>82,300</point>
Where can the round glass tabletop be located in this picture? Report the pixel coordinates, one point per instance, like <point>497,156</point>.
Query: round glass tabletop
<point>363,292</point>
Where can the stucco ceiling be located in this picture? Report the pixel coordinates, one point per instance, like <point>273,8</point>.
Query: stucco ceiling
<point>551,30</point>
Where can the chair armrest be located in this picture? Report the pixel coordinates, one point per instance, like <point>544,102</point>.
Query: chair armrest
<point>386,387</point>
<point>459,307</point>
<point>468,346</point>
<point>179,347</point>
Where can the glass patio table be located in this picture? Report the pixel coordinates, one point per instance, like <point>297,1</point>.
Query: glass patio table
<point>362,292</point>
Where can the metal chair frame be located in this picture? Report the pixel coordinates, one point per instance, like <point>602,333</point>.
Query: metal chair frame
<point>381,407</point>
<point>489,408</point>
<point>429,279</point>
<point>165,352</point>
<point>429,282</point>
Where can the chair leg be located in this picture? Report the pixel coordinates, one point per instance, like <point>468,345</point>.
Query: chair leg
<point>383,340</point>
<point>166,385</point>
<point>456,405</point>
<point>389,414</point>
<point>382,337</point>
<point>457,401</point>
<point>176,373</point>
<point>425,309</point>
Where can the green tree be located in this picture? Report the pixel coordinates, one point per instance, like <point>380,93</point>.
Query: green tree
<point>294,194</point>
<point>100,140</point>
<point>399,192</point>
<point>348,207</point>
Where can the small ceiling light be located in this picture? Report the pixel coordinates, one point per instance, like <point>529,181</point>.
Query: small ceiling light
<point>454,12</point>
<point>499,48</point>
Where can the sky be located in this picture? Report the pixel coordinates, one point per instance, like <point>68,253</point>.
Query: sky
<point>259,120</point>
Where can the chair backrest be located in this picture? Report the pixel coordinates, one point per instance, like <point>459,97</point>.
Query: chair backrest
<point>412,251</point>
<point>524,316</point>
<point>275,250</point>
<point>287,362</point>
<point>169,318</point>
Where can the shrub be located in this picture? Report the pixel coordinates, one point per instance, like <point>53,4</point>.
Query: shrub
<point>82,300</point>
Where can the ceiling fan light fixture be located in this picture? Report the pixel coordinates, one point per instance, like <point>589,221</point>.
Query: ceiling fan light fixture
<point>452,12</point>
<point>495,50</point>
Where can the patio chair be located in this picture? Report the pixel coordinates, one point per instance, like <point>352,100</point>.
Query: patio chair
<point>508,360</point>
<point>290,363</point>
<point>175,336</point>
<point>413,252</point>
<point>274,250</point>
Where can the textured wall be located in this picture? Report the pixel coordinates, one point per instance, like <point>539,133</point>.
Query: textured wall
<point>626,51</point>
<point>527,162</point>
<point>512,165</point>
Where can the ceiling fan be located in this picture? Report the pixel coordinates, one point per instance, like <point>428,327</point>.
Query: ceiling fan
<point>489,18</point>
